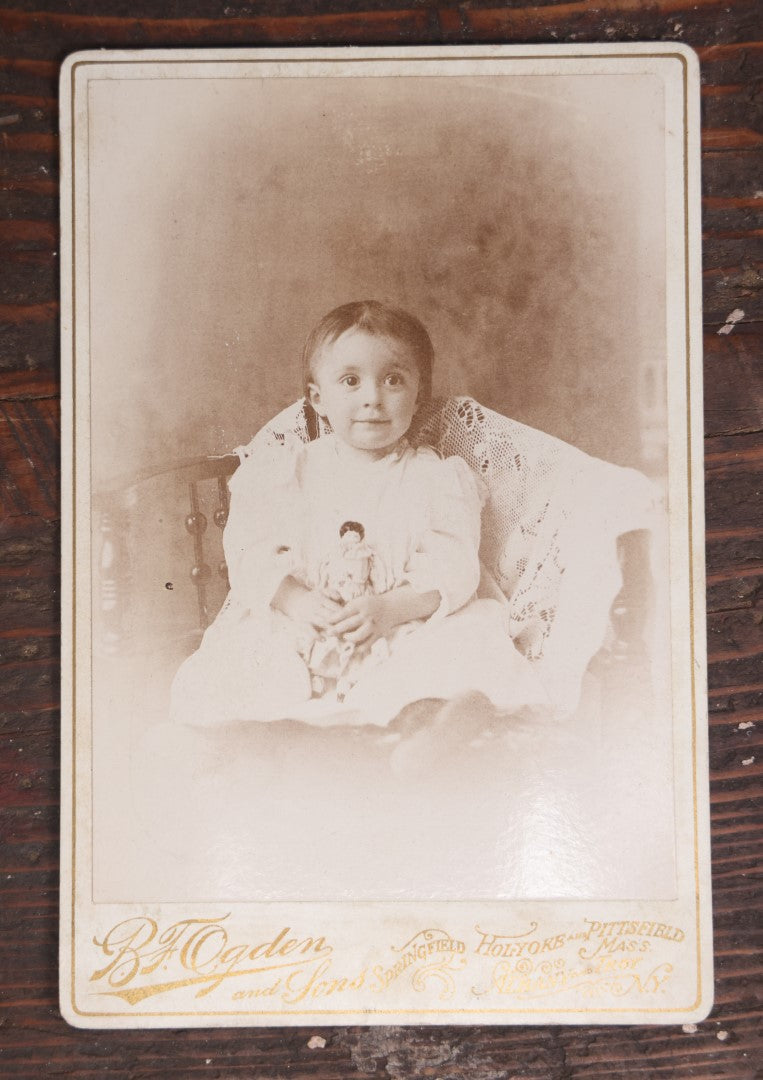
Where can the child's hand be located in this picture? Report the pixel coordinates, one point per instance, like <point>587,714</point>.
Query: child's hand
<point>366,619</point>
<point>376,615</point>
<point>305,605</point>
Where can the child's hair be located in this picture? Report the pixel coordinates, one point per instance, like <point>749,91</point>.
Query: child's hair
<point>380,319</point>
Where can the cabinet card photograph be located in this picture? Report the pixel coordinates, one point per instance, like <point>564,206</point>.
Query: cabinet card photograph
<point>383,585</point>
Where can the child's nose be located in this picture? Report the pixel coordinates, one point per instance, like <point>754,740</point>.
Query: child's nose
<point>372,392</point>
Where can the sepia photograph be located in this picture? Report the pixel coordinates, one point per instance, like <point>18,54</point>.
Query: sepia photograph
<point>431,582</point>
<point>378,419</point>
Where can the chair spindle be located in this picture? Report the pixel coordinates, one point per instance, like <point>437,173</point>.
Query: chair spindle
<point>196,524</point>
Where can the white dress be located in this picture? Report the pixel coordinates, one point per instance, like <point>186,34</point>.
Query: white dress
<point>421,517</point>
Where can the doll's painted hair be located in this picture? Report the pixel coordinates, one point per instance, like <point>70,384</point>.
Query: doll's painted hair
<point>381,320</point>
<point>352,526</point>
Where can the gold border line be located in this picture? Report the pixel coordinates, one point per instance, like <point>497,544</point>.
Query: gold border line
<point>690,539</point>
<point>74,546</point>
<point>136,1016</point>
<point>471,57</point>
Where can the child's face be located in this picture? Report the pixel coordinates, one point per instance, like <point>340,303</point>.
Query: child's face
<point>367,387</point>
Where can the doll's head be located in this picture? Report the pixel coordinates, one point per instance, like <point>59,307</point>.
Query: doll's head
<point>352,529</point>
<point>368,368</point>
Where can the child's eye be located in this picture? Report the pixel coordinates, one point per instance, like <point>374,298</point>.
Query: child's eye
<point>350,380</point>
<point>393,379</point>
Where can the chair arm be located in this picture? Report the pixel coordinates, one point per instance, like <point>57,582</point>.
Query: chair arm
<point>633,606</point>
<point>119,506</point>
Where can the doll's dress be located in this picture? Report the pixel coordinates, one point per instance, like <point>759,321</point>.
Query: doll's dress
<point>421,516</point>
<point>336,664</point>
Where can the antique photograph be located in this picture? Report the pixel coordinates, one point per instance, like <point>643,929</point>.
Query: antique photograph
<point>431,581</point>
<point>431,313</point>
<point>376,431</point>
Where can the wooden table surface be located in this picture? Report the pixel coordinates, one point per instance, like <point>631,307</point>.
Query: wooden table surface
<point>34,1040</point>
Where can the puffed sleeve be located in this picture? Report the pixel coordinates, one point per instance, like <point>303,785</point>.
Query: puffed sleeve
<point>261,538</point>
<point>446,558</point>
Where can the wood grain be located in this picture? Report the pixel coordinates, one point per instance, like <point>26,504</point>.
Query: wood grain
<point>34,1041</point>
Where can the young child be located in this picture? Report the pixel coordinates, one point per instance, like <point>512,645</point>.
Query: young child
<point>400,611</point>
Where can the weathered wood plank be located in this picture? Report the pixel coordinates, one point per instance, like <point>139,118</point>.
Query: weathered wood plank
<point>33,1039</point>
